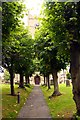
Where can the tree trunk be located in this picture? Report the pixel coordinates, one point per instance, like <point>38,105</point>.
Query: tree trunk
<point>67,83</point>
<point>44,80</point>
<point>56,87</point>
<point>27,79</point>
<point>12,82</point>
<point>53,78</point>
<point>48,82</point>
<point>21,85</point>
<point>75,73</point>
<point>12,78</point>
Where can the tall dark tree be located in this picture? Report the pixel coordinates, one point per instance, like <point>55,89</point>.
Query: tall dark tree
<point>11,12</point>
<point>47,51</point>
<point>62,20</point>
<point>24,61</point>
<point>72,17</point>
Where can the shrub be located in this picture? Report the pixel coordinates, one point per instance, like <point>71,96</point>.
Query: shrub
<point>6,75</point>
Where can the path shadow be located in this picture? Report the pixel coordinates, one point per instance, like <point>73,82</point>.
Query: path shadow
<point>11,95</point>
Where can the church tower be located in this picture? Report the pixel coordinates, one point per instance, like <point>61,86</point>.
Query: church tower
<point>32,23</point>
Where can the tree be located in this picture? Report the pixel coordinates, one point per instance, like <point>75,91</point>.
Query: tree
<point>11,14</point>
<point>24,53</point>
<point>43,71</point>
<point>63,24</point>
<point>41,53</point>
<point>48,52</point>
<point>72,17</point>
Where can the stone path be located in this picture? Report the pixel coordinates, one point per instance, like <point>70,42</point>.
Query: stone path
<point>35,106</point>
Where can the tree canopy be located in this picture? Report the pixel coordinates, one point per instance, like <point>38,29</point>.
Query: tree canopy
<point>60,29</point>
<point>17,41</point>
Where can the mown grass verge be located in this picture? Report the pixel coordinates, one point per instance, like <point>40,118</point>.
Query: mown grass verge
<point>10,106</point>
<point>61,106</point>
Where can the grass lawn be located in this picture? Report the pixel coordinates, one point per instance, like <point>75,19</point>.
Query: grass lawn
<point>61,106</point>
<point>10,107</point>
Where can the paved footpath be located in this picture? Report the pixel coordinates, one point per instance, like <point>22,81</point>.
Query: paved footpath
<point>35,106</point>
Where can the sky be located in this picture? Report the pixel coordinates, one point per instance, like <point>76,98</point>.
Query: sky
<point>33,6</point>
